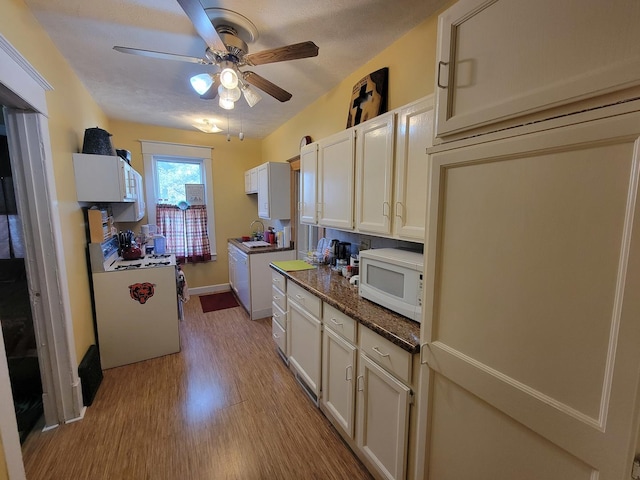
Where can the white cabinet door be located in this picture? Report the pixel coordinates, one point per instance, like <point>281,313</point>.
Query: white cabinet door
<point>531,321</point>
<point>247,182</point>
<point>309,184</point>
<point>338,379</point>
<point>383,419</point>
<point>374,174</point>
<point>415,135</point>
<point>503,59</point>
<point>263,191</point>
<point>232,268</point>
<point>103,178</point>
<point>274,190</point>
<point>335,180</point>
<point>305,339</point>
<point>242,284</point>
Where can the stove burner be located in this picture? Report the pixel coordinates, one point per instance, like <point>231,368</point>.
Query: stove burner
<point>132,266</point>
<point>156,264</point>
<point>165,255</point>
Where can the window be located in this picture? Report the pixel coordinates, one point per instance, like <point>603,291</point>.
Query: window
<point>168,167</point>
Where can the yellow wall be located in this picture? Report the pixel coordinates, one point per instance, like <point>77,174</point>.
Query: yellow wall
<point>71,110</point>
<point>410,60</point>
<point>234,210</point>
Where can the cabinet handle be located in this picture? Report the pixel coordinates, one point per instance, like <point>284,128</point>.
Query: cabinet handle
<point>360,384</point>
<point>377,350</point>
<point>300,297</point>
<point>275,315</point>
<point>440,64</point>
<point>346,373</point>
<point>398,204</point>
<point>276,298</point>
<point>335,322</point>
<point>385,209</point>
<point>275,335</point>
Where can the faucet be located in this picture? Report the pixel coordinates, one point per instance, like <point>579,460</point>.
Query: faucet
<point>257,233</point>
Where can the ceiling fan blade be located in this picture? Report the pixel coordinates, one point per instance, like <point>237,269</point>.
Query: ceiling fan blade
<point>213,90</point>
<point>266,86</point>
<point>202,24</point>
<point>282,54</point>
<point>162,55</point>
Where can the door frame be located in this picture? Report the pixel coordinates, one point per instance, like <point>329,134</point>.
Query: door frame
<point>23,89</point>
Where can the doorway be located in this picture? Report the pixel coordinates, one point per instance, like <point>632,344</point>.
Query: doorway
<point>16,317</point>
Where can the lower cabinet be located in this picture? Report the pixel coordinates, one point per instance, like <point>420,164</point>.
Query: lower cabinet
<point>382,419</point>
<point>279,313</point>
<point>360,380</point>
<point>305,336</point>
<point>338,379</point>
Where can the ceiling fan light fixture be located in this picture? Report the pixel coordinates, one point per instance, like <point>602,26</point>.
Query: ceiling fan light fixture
<point>226,104</point>
<point>229,78</point>
<point>232,94</point>
<point>207,126</point>
<point>202,82</point>
<point>250,95</point>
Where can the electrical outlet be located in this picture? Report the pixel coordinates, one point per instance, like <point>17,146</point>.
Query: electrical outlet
<point>365,244</point>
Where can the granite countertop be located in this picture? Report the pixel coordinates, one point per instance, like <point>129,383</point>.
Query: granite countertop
<point>335,289</point>
<point>237,242</point>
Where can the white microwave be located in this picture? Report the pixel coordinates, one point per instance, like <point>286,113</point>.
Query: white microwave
<point>392,278</point>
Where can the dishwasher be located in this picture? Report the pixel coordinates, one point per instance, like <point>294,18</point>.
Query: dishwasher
<point>240,276</point>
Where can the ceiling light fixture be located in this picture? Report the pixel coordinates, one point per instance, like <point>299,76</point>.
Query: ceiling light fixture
<point>226,104</point>
<point>207,126</point>
<point>229,78</point>
<point>201,83</point>
<point>228,97</point>
<point>250,95</point>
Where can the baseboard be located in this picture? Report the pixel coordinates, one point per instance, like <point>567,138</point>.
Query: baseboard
<point>264,313</point>
<point>223,287</point>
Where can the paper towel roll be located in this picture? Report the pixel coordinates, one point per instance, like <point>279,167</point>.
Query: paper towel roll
<point>286,236</point>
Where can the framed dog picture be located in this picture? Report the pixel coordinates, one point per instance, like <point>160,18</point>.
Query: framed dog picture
<point>369,97</point>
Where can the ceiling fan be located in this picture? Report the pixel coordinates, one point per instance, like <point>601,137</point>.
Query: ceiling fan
<point>227,50</point>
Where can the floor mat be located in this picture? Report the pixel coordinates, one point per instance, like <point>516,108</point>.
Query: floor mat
<point>217,301</point>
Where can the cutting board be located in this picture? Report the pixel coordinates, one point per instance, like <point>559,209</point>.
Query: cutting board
<point>293,265</point>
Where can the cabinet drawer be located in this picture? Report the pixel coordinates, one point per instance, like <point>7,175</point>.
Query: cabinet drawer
<point>278,298</point>
<point>279,315</point>
<point>278,281</point>
<point>279,335</point>
<point>339,322</point>
<point>307,300</point>
<point>386,354</point>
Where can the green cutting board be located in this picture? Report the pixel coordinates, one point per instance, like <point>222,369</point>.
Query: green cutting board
<point>293,265</point>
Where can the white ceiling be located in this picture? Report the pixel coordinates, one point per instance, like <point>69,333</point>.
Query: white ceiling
<point>157,92</point>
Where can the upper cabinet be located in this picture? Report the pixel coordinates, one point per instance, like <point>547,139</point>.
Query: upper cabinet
<point>274,191</point>
<point>505,63</point>
<point>374,174</point>
<point>371,178</point>
<point>414,136</point>
<point>104,178</point>
<point>335,180</point>
<point>251,181</point>
<point>308,184</point>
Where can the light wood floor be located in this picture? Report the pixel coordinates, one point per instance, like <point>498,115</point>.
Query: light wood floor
<point>225,407</point>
